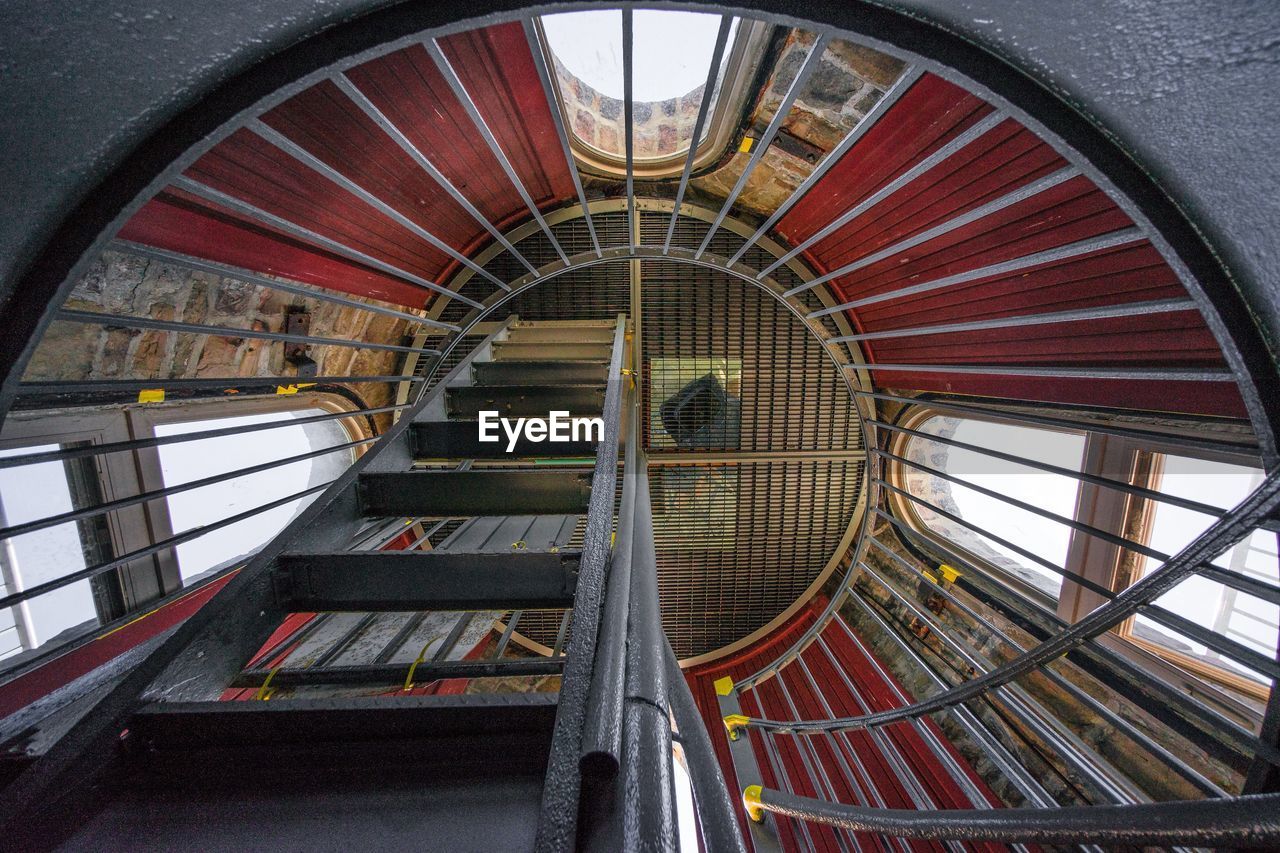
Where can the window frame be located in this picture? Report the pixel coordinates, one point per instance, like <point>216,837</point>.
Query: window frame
<point>1112,511</point>
<point>1144,512</point>
<point>907,509</point>
<point>127,473</point>
<point>741,63</point>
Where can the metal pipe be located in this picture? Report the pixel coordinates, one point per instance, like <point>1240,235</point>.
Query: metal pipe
<point>1138,374</point>
<point>395,673</point>
<point>469,106</point>
<point>283,285</point>
<point>557,825</point>
<point>704,108</point>
<point>602,734</point>
<point>144,497</point>
<point>397,136</point>
<point>628,121</point>
<point>296,151</point>
<point>154,548</point>
<point>1242,742</point>
<point>1049,256</point>
<point>1031,714</point>
<point>982,127</point>
<point>1264,501</point>
<point>104,319</point>
<point>1063,423</point>
<point>892,95</point>
<point>811,63</point>
<point>1105,482</point>
<point>240,206</point>
<point>1017,196</point>
<point>557,115</point>
<point>1115,720</point>
<point>54,388</point>
<point>716,815</point>
<point>1248,821</point>
<point>1129,309</point>
<point>81,451</point>
<point>1012,768</point>
<point>647,755</point>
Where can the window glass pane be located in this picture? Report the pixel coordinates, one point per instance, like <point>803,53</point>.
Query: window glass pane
<point>1241,617</point>
<point>672,54</point>
<point>28,493</point>
<point>1055,493</point>
<point>194,460</point>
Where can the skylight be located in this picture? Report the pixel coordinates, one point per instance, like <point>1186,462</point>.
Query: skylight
<point>671,56</point>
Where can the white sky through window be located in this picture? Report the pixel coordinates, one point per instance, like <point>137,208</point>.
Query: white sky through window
<point>193,460</point>
<point>671,50</point>
<point>29,493</point>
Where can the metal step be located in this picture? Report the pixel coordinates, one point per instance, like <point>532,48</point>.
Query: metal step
<point>555,372</point>
<point>524,400</point>
<point>541,333</point>
<point>164,726</point>
<point>396,673</point>
<point>504,534</point>
<point>382,581</point>
<point>548,351</point>
<point>539,491</point>
<point>461,440</point>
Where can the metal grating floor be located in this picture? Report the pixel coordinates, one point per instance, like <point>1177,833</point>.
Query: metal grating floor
<point>738,541</point>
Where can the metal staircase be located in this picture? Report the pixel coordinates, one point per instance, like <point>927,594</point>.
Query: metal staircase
<point>159,760</point>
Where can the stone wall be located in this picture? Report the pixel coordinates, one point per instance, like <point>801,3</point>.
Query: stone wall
<point>849,80</point>
<point>661,128</point>
<point>129,285</point>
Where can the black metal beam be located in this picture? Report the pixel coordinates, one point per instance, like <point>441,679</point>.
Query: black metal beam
<point>461,440</point>
<point>425,580</point>
<point>516,371</point>
<point>478,492</point>
<point>395,673</point>
<point>1250,822</point>
<point>524,400</point>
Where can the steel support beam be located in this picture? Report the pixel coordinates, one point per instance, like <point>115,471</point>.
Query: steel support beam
<point>478,492</point>
<point>398,581</point>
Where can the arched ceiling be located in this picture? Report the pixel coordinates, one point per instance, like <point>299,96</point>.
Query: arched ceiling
<point>938,191</point>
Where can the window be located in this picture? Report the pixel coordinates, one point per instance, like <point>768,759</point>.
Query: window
<point>966,501</point>
<point>194,460</point>
<point>49,487</point>
<point>1237,615</point>
<point>31,559</point>
<point>672,53</point>
<point>988,526</point>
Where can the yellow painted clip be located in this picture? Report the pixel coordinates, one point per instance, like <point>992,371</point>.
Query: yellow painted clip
<point>151,395</point>
<point>752,803</point>
<point>930,576</point>
<point>422,655</point>
<point>744,147</point>
<point>265,691</point>
<point>724,686</point>
<point>733,722</point>
<point>949,573</point>
<point>286,390</point>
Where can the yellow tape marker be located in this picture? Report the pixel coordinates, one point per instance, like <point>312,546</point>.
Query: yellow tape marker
<point>724,686</point>
<point>733,722</point>
<point>751,802</point>
<point>422,655</point>
<point>744,147</point>
<point>151,395</point>
<point>930,576</point>
<point>286,390</point>
<point>265,691</point>
<point>949,573</point>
